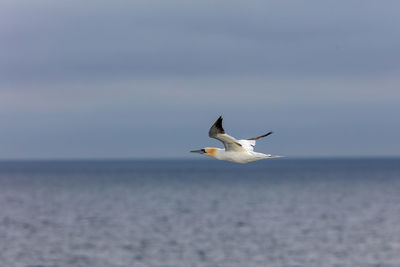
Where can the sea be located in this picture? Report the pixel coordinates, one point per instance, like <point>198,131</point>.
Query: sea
<point>278,212</point>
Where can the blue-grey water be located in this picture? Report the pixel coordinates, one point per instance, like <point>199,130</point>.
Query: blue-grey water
<point>282,212</point>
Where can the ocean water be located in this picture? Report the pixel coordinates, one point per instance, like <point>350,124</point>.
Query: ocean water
<point>281,212</point>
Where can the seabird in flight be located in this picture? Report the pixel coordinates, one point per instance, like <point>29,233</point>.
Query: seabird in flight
<point>239,151</point>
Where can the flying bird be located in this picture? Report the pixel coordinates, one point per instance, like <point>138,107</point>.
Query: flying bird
<point>239,151</point>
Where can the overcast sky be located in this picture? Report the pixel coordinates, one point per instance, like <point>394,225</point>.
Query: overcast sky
<point>133,79</point>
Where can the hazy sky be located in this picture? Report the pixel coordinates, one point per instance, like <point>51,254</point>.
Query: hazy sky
<point>129,79</point>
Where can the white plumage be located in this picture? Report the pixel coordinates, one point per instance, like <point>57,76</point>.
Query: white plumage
<point>239,151</point>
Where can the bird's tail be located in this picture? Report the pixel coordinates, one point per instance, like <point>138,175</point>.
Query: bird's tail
<point>275,156</point>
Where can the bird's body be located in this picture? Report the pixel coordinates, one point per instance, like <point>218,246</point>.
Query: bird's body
<point>239,151</point>
<point>238,157</point>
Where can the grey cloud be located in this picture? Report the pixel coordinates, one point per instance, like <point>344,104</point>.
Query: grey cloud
<point>106,78</point>
<point>78,40</point>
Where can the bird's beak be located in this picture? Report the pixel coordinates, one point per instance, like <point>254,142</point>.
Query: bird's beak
<point>200,151</point>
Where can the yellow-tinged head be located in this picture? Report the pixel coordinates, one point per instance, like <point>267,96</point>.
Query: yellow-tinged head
<point>209,151</point>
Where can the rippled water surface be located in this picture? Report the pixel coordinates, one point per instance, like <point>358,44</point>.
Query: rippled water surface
<point>282,212</point>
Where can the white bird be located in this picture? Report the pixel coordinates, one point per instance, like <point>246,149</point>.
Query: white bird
<point>239,151</point>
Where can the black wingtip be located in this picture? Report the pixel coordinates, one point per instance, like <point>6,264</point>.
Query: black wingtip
<point>261,136</point>
<point>217,127</point>
<point>266,134</point>
<point>218,124</point>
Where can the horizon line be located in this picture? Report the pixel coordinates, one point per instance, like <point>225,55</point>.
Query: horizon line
<point>66,159</point>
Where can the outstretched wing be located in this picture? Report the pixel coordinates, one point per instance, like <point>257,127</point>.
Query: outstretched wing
<point>258,137</point>
<point>249,143</point>
<point>230,143</point>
